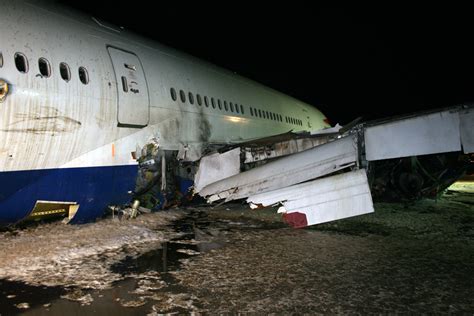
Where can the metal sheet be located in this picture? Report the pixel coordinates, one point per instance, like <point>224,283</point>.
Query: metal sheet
<point>422,135</point>
<point>216,167</point>
<point>297,168</point>
<point>282,148</point>
<point>322,200</point>
<point>467,130</point>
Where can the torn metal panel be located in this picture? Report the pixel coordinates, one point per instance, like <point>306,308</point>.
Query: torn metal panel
<point>217,167</point>
<point>323,200</point>
<point>190,152</point>
<point>467,130</point>
<point>421,135</point>
<point>297,168</point>
<point>280,149</point>
<point>331,130</point>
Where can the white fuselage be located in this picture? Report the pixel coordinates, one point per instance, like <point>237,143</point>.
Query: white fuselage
<point>53,123</point>
<point>85,96</point>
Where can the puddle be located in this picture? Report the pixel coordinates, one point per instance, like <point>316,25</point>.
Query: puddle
<point>148,279</point>
<point>13,294</point>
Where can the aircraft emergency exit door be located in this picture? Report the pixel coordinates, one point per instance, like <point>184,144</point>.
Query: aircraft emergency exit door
<point>133,99</point>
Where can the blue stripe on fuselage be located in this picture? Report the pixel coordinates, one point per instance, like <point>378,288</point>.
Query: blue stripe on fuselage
<point>92,187</point>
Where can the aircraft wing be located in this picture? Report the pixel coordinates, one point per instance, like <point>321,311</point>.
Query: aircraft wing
<point>323,177</point>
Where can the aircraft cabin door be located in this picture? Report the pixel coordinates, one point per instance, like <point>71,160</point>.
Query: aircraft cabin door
<point>133,99</point>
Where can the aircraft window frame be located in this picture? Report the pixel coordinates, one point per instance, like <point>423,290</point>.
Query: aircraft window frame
<point>237,108</point>
<point>251,111</point>
<point>83,75</point>
<point>231,106</point>
<point>219,104</point>
<point>1,59</point>
<point>242,109</point>
<point>191,97</point>
<point>44,67</point>
<point>173,94</point>
<point>259,113</point>
<point>225,106</point>
<point>182,96</point>
<point>206,101</point>
<point>213,103</point>
<point>65,71</point>
<point>21,62</point>
<point>199,99</point>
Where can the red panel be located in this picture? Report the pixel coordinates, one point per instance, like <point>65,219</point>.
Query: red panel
<point>296,219</point>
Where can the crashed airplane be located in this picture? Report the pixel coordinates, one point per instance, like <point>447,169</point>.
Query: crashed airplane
<point>92,116</point>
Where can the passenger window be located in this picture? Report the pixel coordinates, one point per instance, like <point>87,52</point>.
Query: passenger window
<point>259,113</point>
<point>251,111</point>
<point>83,75</point>
<point>237,108</point>
<point>206,101</point>
<point>21,63</point>
<point>173,94</point>
<point>219,104</point>
<point>231,107</point>
<point>191,98</point>
<point>242,109</point>
<point>199,100</point>
<point>66,73</point>
<point>182,95</point>
<point>1,60</point>
<point>44,67</point>
<point>213,103</point>
<point>225,106</point>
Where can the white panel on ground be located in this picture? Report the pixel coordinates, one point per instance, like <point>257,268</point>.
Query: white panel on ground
<point>216,167</point>
<point>297,168</point>
<point>421,135</point>
<point>323,200</point>
<point>467,129</point>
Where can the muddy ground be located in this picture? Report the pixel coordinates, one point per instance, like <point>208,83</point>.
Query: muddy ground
<point>416,258</point>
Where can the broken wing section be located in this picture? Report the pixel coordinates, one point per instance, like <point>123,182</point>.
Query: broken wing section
<point>322,200</point>
<point>289,170</point>
<point>216,167</point>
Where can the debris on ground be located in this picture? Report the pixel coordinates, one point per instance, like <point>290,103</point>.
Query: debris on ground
<point>64,255</point>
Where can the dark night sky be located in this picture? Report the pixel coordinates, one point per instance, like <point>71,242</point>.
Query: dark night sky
<point>348,61</point>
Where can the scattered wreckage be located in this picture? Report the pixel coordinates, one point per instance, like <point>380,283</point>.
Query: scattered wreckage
<point>313,177</point>
<point>333,174</point>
